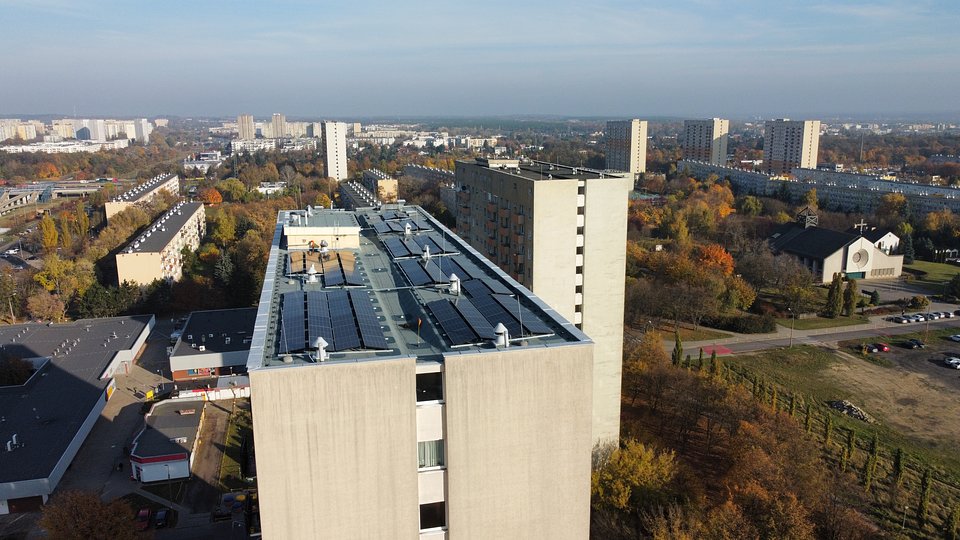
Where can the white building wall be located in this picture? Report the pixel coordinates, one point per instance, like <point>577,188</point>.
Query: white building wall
<point>335,150</point>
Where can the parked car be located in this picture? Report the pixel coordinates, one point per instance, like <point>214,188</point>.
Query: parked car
<point>955,337</point>
<point>952,362</point>
<point>912,344</point>
<point>931,316</point>
<point>882,347</point>
<point>899,320</point>
<point>869,348</point>
<point>919,344</point>
<point>143,519</point>
<point>947,314</point>
<point>160,521</point>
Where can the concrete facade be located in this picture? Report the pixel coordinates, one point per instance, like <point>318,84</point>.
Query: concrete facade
<point>790,143</point>
<point>245,127</point>
<point>706,140</point>
<point>561,231</point>
<point>381,184</point>
<point>626,146</point>
<point>143,194</point>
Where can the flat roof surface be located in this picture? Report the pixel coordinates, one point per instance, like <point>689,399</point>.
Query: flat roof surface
<point>65,391</point>
<point>164,229</point>
<point>320,217</point>
<point>542,170</point>
<point>142,190</point>
<point>212,329</point>
<point>399,295</point>
<point>167,430</point>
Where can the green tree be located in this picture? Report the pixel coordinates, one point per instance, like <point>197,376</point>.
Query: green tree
<point>224,228</point>
<point>808,419</point>
<point>953,524</point>
<point>850,295</point>
<point>677,355</point>
<point>750,206</point>
<point>908,252</point>
<point>828,432</point>
<point>834,302</point>
<point>899,467</point>
<point>870,468</point>
<point>81,515</point>
<point>48,234</point>
<point>223,270</point>
<point>953,286</point>
<point>810,199</point>
<point>923,509</point>
<point>875,298</point>
<point>714,365</point>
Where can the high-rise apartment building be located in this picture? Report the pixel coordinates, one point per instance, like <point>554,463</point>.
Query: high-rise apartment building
<point>402,386</point>
<point>626,146</point>
<point>245,127</point>
<point>790,143</point>
<point>562,232</point>
<point>706,140</point>
<point>335,150</point>
<point>278,126</point>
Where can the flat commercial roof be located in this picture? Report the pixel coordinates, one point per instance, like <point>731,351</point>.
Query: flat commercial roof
<point>164,229</point>
<point>399,304</point>
<point>171,429</point>
<point>219,331</point>
<point>320,217</point>
<point>47,412</point>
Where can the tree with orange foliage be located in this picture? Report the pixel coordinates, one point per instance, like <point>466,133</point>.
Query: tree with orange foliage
<point>713,258</point>
<point>47,170</point>
<point>210,196</point>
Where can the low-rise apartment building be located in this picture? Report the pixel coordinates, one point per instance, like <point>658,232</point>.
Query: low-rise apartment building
<point>156,253</point>
<point>143,194</point>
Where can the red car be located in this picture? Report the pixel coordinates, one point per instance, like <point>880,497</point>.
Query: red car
<point>143,519</point>
<point>882,347</point>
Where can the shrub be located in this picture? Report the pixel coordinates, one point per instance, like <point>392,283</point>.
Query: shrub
<point>742,324</point>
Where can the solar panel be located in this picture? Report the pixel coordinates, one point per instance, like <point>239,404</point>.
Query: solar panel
<point>370,332</point>
<point>423,241</point>
<point>494,313</point>
<point>396,248</point>
<point>531,322</point>
<point>470,269</point>
<point>348,263</point>
<point>390,214</point>
<point>444,244</point>
<point>381,227</point>
<point>395,227</point>
<point>318,320</point>
<point>413,247</point>
<point>291,323</point>
<point>453,325</point>
<point>436,276</point>
<point>475,288</point>
<point>414,272</point>
<point>332,273</point>
<point>475,319</point>
<point>341,316</point>
<point>496,286</point>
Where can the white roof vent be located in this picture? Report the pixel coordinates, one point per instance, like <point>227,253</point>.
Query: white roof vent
<point>503,336</point>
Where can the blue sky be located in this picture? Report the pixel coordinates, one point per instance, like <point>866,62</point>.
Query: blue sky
<point>685,58</point>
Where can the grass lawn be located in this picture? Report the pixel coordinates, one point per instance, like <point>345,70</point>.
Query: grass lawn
<point>239,430</point>
<point>814,323</point>
<point>936,273</point>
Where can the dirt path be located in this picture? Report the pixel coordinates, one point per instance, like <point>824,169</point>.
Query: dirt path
<point>919,405</point>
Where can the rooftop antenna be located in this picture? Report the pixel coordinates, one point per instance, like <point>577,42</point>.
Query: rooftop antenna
<point>426,253</point>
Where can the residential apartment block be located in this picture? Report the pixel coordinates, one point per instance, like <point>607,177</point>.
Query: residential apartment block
<point>156,254</point>
<point>626,146</point>
<point>381,184</point>
<point>405,387</point>
<point>561,231</point>
<point>143,193</point>
<point>429,174</point>
<point>790,143</point>
<point>335,150</point>
<point>706,140</point>
<point>245,127</point>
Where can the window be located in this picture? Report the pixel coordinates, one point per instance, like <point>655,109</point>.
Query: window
<point>429,387</point>
<point>433,515</point>
<point>430,454</point>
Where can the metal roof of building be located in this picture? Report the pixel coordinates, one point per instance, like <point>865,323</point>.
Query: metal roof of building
<point>218,331</point>
<point>171,428</point>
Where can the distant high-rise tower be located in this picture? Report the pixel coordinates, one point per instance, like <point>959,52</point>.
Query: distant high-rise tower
<point>706,140</point>
<point>245,127</point>
<point>279,125</point>
<point>627,145</point>
<point>790,143</point>
<point>335,150</point>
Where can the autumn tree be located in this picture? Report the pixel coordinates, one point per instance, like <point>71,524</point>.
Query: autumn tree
<point>810,199</point>
<point>713,258</point>
<point>81,515</point>
<point>48,234</point>
<point>632,477</point>
<point>892,209</point>
<point>45,306</point>
<point>210,196</point>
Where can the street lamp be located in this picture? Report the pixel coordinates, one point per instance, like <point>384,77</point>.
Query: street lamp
<point>903,523</point>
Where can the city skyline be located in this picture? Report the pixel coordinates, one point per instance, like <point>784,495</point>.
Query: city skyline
<point>699,58</point>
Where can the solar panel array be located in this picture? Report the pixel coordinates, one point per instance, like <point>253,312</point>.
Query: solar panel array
<point>413,246</point>
<point>344,319</point>
<point>338,267</point>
